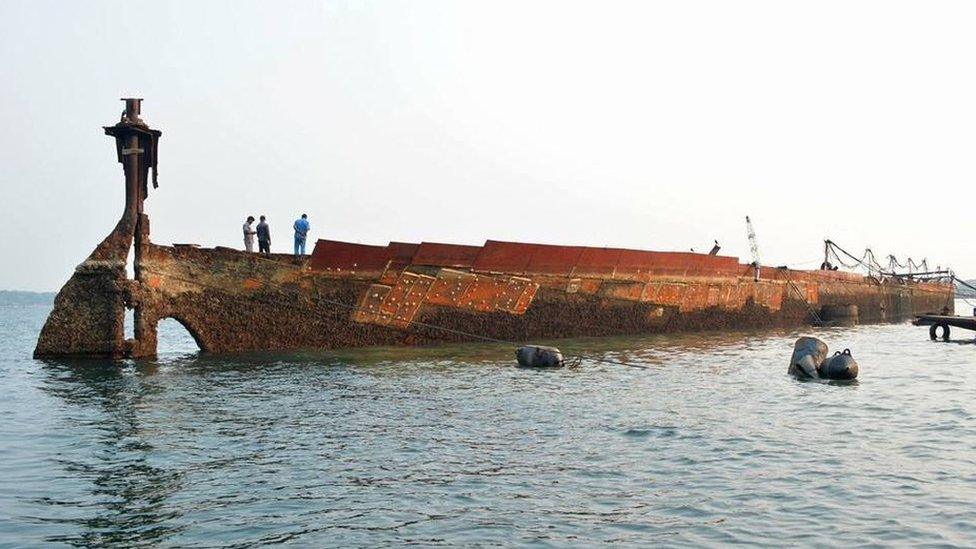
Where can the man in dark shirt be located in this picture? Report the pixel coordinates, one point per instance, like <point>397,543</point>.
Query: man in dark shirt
<point>264,237</point>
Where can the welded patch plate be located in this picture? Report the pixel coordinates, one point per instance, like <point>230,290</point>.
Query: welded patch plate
<point>398,305</point>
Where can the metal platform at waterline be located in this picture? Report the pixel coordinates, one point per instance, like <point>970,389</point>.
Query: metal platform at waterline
<point>944,322</point>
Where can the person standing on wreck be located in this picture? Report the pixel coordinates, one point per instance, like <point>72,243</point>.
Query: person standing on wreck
<point>301,232</point>
<point>264,237</point>
<point>249,234</point>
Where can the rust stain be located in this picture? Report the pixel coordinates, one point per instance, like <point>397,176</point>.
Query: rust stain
<point>481,294</point>
<point>589,286</point>
<point>597,262</point>
<point>389,310</point>
<point>398,305</point>
<point>529,290</point>
<point>346,257</point>
<point>413,299</point>
<point>449,287</point>
<point>445,255</point>
<point>251,284</point>
<point>628,291</point>
<point>401,255</point>
<point>503,257</point>
<point>370,304</point>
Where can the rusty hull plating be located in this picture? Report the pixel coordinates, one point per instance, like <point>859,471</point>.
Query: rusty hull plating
<point>89,311</point>
<point>353,295</point>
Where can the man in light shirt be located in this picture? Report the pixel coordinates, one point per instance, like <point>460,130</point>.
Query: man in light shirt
<point>301,232</point>
<point>249,234</point>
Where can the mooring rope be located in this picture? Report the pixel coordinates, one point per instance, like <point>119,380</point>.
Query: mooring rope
<point>963,282</point>
<point>803,298</point>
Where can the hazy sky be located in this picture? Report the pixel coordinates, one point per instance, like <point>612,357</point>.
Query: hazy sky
<point>654,125</point>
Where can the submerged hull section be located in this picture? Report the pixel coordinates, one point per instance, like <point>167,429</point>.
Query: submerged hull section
<point>350,295</point>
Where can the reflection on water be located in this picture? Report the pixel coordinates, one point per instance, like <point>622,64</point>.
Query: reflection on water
<point>711,443</point>
<point>116,461</point>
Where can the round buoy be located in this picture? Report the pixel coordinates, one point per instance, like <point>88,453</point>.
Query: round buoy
<point>840,366</point>
<point>536,356</point>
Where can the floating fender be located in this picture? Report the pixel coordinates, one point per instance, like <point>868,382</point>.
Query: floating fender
<point>934,334</point>
<point>810,361</point>
<point>535,356</point>
<point>840,366</point>
<point>808,354</point>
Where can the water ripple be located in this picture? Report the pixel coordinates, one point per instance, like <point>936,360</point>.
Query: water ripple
<point>711,444</point>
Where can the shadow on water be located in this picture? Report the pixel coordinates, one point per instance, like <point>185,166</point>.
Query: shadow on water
<point>959,341</point>
<point>853,383</point>
<point>128,490</point>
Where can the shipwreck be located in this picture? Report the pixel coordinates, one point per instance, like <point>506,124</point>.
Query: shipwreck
<point>354,295</point>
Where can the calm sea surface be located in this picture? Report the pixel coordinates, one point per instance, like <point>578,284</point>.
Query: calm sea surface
<point>710,443</point>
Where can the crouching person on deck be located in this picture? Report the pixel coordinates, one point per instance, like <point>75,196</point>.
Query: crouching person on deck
<point>301,232</point>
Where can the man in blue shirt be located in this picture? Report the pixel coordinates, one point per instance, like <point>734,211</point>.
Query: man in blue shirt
<point>301,231</point>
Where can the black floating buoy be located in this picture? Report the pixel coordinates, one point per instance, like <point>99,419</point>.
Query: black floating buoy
<point>840,366</point>
<point>537,356</point>
<point>810,360</point>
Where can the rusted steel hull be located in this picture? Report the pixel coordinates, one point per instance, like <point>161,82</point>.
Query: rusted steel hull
<point>349,295</point>
<point>515,291</point>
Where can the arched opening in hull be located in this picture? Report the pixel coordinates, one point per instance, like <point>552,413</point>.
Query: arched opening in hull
<point>175,336</point>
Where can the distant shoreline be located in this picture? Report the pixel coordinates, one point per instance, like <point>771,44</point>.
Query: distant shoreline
<point>964,292</point>
<point>19,297</point>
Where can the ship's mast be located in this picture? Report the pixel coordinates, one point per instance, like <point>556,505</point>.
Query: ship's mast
<point>753,247</point>
<point>137,148</point>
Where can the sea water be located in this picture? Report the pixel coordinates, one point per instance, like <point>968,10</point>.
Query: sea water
<point>702,440</point>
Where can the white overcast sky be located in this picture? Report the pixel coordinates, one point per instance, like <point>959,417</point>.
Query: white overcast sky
<point>653,125</point>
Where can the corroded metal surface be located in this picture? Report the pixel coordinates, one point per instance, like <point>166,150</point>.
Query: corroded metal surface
<point>616,263</point>
<point>450,287</point>
<point>398,305</point>
<point>349,258</point>
<point>88,314</point>
<point>445,255</point>
<point>369,306</point>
